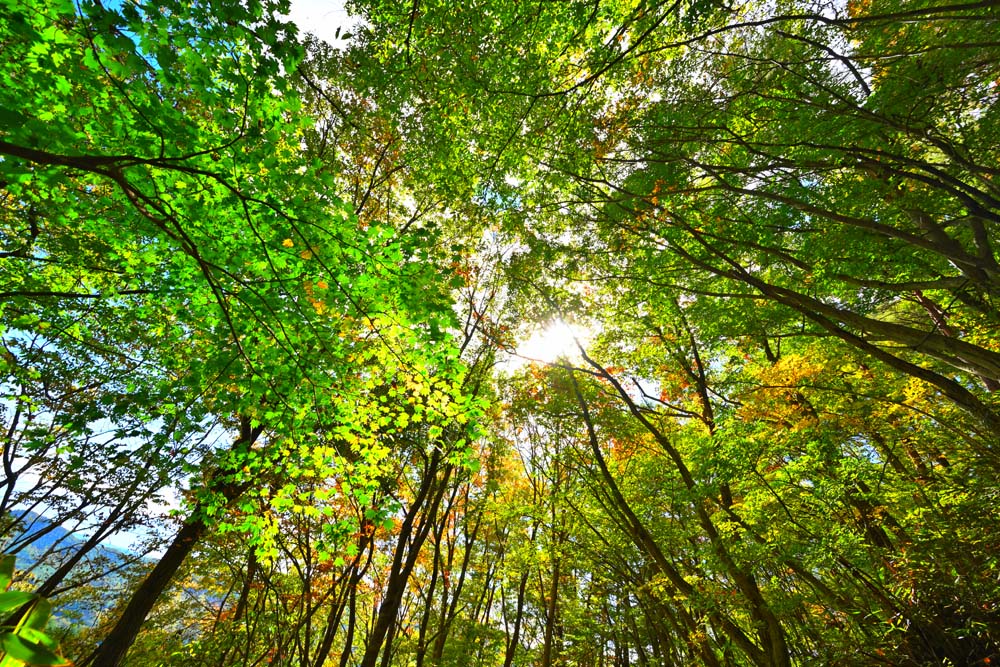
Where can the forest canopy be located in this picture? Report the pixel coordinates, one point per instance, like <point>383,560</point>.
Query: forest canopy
<point>264,306</point>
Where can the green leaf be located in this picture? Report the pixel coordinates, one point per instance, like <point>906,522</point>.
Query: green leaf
<point>14,599</point>
<point>38,637</point>
<point>39,614</point>
<point>28,651</point>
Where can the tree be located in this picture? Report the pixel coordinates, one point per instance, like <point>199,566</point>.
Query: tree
<point>749,199</point>
<point>776,446</point>
<point>265,303</point>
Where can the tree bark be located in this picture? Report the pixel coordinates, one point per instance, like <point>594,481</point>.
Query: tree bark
<point>112,650</point>
<point>403,566</point>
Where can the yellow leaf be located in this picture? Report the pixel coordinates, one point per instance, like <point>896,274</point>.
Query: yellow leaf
<point>288,243</point>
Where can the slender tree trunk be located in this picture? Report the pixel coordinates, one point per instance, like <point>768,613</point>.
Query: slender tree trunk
<point>403,566</point>
<point>352,623</point>
<point>425,621</point>
<point>351,582</point>
<point>515,636</point>
<point>645,541</point>
<point>551,613</point>
<point>241,603</point>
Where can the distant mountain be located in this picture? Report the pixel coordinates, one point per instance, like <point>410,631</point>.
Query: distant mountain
<point>47,536</point>
<point>51,546</point>
<point>43,534</point>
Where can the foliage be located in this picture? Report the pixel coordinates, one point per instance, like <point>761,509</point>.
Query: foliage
<point>25,643</point>
<point>193,235</point>
<point>290,273</point>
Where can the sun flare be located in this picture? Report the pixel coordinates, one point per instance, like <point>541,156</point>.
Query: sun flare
<point>557,340</point>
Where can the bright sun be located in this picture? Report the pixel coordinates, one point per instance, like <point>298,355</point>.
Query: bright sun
<point>553,342</point>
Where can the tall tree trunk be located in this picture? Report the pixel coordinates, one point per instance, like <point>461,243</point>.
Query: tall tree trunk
<point>113,648</point>
<point>351,581</point>
<point>123,634</point>
<point>425,621</point>
<point>402,565</point>
<point>551,613</point>
<point>453,594</point>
